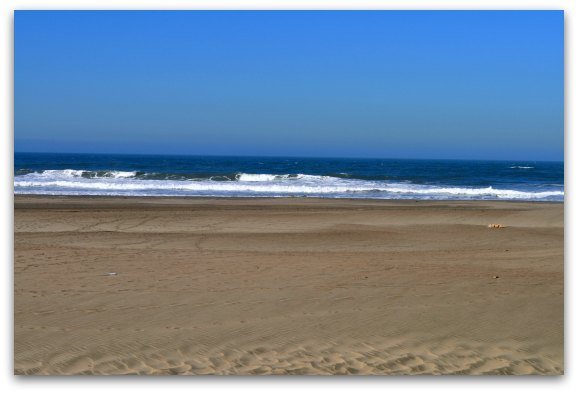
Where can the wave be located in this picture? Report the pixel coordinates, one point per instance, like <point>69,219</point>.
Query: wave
<point>62,173</point>
<point>521,167</point>
<point>80,182</point>
<point>487,191</point>
<point>264,177</point>
<point>121,174</point>
<point>76,173</point>
<point>92,174</point>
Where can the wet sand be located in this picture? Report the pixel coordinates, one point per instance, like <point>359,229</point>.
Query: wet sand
<point>286,286</point>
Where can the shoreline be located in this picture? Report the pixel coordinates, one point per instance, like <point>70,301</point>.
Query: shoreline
<point>24,197</point>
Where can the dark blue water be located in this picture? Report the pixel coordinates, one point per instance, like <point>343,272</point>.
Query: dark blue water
<point>148,175</point>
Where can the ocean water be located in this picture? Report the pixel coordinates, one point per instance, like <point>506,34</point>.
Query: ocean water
<point>156,175</point>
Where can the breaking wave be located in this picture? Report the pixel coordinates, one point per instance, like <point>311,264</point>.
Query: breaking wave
<point>75,173</point>
<point>127,183</point>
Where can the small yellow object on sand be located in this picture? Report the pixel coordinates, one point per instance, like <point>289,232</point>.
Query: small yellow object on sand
<point>496,226</point>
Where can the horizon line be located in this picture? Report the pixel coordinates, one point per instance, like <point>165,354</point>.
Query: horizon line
<point>286,156</point>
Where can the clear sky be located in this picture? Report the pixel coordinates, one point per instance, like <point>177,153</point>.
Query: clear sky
<point>484,85</point>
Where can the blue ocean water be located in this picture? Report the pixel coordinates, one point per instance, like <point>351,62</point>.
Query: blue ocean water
<point>156,175</point>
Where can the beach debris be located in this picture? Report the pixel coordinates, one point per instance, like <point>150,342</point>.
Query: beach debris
<point>496,226</point>
<point>111,274</point>
<point>495,277</point>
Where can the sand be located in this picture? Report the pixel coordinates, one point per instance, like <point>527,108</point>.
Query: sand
<point>287,286</point>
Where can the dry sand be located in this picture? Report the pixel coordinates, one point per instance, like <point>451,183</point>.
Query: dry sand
<point>287,286</point>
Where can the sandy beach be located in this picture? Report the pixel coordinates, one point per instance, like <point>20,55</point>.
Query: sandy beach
<point>287,286</point>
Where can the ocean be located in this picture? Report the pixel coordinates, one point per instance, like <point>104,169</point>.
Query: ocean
<point>207,176</point>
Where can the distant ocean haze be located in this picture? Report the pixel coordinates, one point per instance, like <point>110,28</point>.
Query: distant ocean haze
<point>157,175</point>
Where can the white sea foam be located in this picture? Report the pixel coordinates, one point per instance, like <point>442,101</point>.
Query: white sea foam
<point>487,191</point>
<point>61,173</point>
<point>72,182</point>
<point>264,177</point>
<point>120,174</point>
<point>75,173</point>
<point>255,177</point>
<point>521,167</point>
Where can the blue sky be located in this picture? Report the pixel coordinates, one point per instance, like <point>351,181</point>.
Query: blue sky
<point>484,85</point>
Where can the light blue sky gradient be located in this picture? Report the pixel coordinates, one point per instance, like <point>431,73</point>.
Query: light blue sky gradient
<point>481,84</point>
